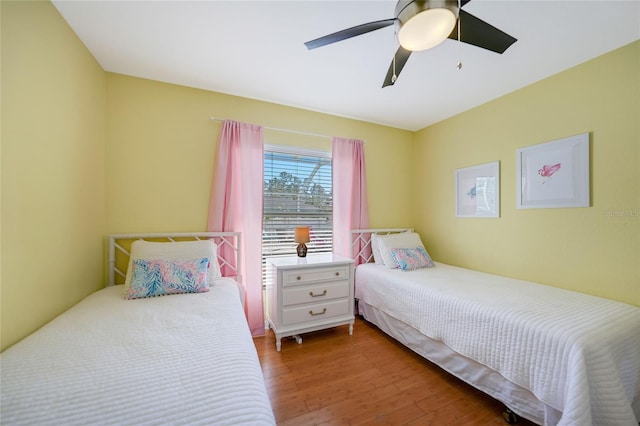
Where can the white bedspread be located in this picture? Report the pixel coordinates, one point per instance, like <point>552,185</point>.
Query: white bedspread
<point>577,353</point>
<point>179,359</point>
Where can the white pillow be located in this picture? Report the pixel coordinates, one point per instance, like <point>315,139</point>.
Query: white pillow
<point>375,248</point>
<point>150,250</point>
<point>402,240</point>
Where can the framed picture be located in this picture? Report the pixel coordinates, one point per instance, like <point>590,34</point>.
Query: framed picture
<point>554,174</point>
<point>478,191</point>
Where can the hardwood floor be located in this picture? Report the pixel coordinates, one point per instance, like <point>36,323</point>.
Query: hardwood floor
<point>367,378</point>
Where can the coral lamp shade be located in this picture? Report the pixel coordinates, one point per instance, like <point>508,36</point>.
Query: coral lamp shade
<point>302,234</point>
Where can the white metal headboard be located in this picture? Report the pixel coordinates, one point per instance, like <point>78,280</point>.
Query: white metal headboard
<point>361,242</point>
<point>119,250</point>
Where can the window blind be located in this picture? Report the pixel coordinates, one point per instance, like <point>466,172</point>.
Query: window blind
<point>297,192</point>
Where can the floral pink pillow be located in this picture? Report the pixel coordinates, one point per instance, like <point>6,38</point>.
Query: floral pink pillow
<point>159,277</point>
<point>409,259</point>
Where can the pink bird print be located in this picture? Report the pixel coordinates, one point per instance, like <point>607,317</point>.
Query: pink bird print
<point>547,170</point>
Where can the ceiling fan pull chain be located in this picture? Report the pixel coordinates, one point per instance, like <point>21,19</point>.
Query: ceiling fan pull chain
<point>394,77</point>
<point>459,64</point>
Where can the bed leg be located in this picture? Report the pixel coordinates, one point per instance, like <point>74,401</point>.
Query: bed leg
<point>510,417</point>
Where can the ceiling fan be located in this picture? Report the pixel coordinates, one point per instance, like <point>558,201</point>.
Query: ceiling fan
<point>423,25</point>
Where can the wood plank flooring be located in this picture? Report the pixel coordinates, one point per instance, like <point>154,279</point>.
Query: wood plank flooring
<point>368,378</point>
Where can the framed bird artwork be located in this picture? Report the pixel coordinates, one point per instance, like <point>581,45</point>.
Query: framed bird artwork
<point>478,190</point>
<point>554,174</point>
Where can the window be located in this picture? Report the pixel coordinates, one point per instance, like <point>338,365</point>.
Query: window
<point>297,191</point>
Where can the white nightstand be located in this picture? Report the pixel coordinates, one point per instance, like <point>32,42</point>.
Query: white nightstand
<point>309,293</point>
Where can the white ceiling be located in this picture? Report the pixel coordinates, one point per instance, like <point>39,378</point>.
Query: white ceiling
<point>255,49</point>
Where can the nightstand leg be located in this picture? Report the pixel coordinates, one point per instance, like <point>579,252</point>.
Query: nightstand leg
<point>298,339</point>
<point>278,343</point>
<point>350,329</point>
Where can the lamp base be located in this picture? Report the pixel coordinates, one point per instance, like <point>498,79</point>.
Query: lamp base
<point>302,250</point>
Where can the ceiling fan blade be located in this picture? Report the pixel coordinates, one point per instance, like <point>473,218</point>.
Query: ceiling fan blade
<point>349,32</point>
<point>478,33</point>
<point>402,55</point>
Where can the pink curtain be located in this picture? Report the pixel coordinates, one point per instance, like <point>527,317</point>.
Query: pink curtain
<point>236,205</point>
<point>350,209</point>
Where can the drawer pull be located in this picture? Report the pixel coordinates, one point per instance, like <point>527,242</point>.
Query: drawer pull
<point>324,293</point>
<point>298,277</point>
<point>324,311</point>
<point>337,274</point>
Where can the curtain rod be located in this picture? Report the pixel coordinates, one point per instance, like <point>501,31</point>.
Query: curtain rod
<point>297,132</point>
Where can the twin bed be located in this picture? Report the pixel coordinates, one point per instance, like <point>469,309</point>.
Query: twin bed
<point>552,356</point>
<point>183,358</point>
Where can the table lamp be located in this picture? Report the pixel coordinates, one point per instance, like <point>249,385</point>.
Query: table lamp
<point>301,237</point>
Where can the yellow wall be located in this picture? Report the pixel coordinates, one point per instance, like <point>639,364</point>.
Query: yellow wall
<point>53,167</point>
<point>161,146</point>
<point>594,250</point>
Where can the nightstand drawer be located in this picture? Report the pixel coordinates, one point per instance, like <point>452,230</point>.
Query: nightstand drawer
<point>316,312</point>
<point>315,293</point>
<point>310,275</point>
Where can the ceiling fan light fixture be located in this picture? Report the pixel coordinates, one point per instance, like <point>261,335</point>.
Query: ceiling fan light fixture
<point>427,29</point>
